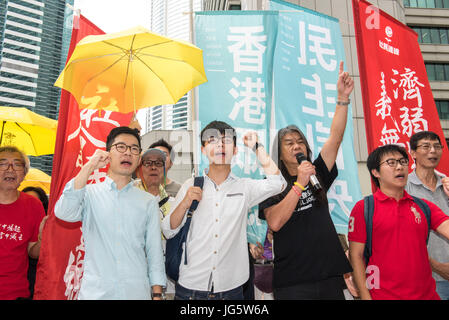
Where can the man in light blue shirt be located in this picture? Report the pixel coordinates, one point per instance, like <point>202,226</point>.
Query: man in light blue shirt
<point>121,226</point>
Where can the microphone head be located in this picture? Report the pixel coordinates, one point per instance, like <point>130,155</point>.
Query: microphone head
<point>300,157</point>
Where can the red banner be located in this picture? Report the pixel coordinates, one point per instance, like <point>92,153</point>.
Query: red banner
<point>80,133</point>
<point>397,98</point>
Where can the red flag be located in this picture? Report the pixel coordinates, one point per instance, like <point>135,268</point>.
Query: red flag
<point>397,98</point>
<point>80,133</point>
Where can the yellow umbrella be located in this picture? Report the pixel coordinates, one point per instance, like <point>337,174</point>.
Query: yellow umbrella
<point>130,70</point>
<point>32,133</point>
<point>36,178</point>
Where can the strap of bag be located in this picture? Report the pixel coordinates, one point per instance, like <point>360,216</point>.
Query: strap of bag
<point>368,213</point>
<point>198,182</point>
<point>163,201</point>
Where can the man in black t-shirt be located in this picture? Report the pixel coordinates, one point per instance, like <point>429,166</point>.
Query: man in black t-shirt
<point>309,261</point>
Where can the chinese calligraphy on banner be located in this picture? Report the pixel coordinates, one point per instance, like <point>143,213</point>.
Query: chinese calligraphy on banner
<point>309,48</point>
<point>238,52</point>
<point>397,98</point>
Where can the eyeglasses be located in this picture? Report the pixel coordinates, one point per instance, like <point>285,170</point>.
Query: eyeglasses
<point>427,146</point>
<point>394,162</point>
<point>121,147</point>
<point>149,163</point>
<point>16,166</point>
<point>223,139</point>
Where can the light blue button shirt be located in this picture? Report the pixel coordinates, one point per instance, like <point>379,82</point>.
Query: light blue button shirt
<point>122,237</point>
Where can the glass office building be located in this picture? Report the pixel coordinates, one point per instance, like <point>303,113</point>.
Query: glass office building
<point>34,40</point>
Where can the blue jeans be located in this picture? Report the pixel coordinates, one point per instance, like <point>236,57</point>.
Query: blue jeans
<point>187,294</point>
<point>443,289</point>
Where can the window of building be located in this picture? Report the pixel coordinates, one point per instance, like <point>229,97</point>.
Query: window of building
<point>426,4</point>
<point>435,35</point>
<point>443,109</point>
<point>437,71</point>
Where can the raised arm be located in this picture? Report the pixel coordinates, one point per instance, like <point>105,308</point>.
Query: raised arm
<point>98,160</point>
<point>268,165</point>
<point>345,85</point>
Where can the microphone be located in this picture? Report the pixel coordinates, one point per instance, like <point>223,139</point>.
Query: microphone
<point>300,157</point>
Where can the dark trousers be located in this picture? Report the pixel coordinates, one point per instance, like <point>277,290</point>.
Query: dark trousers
<point>187,294</point>
<point>328,289</point>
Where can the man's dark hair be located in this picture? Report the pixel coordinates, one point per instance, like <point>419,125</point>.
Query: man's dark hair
<point>41,194</point>
<point>429,135</point>
<point>215,127</point>
<point>165,144</point>
<point>373,161</point>
<point>276,156</point>
<point>118,131</point>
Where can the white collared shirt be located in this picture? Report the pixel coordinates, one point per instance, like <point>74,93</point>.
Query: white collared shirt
<point>217,249</point>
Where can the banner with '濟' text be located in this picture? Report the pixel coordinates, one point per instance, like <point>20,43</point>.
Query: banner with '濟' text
<point>397,98</point>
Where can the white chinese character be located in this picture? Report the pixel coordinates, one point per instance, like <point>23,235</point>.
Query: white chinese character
<point>252,101</point>
<point>248,49</point>
<point>74,272</point>
<point>410,84</point>
<point>318,41</point>
<point>316,47</point>
<point>383,104</point>
<point>390,136</point>
<point>340,197</point>
<point>316,96</point>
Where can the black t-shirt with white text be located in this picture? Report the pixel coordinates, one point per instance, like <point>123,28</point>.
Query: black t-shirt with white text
<point>307,247</point>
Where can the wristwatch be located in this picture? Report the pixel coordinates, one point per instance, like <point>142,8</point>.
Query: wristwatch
<point>256,146</point>
<point>344,103</point>
<point>158,295</point>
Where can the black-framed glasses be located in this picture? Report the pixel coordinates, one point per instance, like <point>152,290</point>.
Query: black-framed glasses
<point>427,147</point>
<point>16,166</point>
<point>394,162</point>
<point>122,147</point>
<point>223,139</point>
<point>149,163</point>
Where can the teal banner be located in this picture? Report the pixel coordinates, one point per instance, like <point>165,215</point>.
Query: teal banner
<point>309,48</point>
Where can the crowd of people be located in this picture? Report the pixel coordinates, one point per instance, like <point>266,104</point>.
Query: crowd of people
<point>128,218</point>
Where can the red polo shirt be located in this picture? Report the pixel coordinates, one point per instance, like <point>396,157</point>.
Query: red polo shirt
<point>399,267</point>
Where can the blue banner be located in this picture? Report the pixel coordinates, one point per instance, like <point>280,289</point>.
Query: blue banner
<point>238,49</point>
<point>309,48</point>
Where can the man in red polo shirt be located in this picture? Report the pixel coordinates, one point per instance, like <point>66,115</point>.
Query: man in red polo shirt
<point>399,266</point>
<point>21,223</point>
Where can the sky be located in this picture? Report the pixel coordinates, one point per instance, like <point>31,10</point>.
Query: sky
<point>117,15</point>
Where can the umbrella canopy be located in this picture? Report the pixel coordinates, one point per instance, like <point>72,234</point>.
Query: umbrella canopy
<point>130,70</point>
<point>32,133</point>
<point>36,178</point>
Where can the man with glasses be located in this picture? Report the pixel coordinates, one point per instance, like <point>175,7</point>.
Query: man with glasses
<point>21,223</point>
<point>171,187</point>
<point>121,226</point>
<point>399,266</point>
<point>217,255</point>
<point>425,182</point>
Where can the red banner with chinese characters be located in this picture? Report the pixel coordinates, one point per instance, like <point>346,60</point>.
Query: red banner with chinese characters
<point>80,133</point>
<point>397,98</point>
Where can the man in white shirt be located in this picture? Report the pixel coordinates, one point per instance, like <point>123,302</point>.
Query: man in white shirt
<point>217,252</point>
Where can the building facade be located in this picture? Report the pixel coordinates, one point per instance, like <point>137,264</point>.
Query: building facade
<point>34,39</point>
<point>174,19</point>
